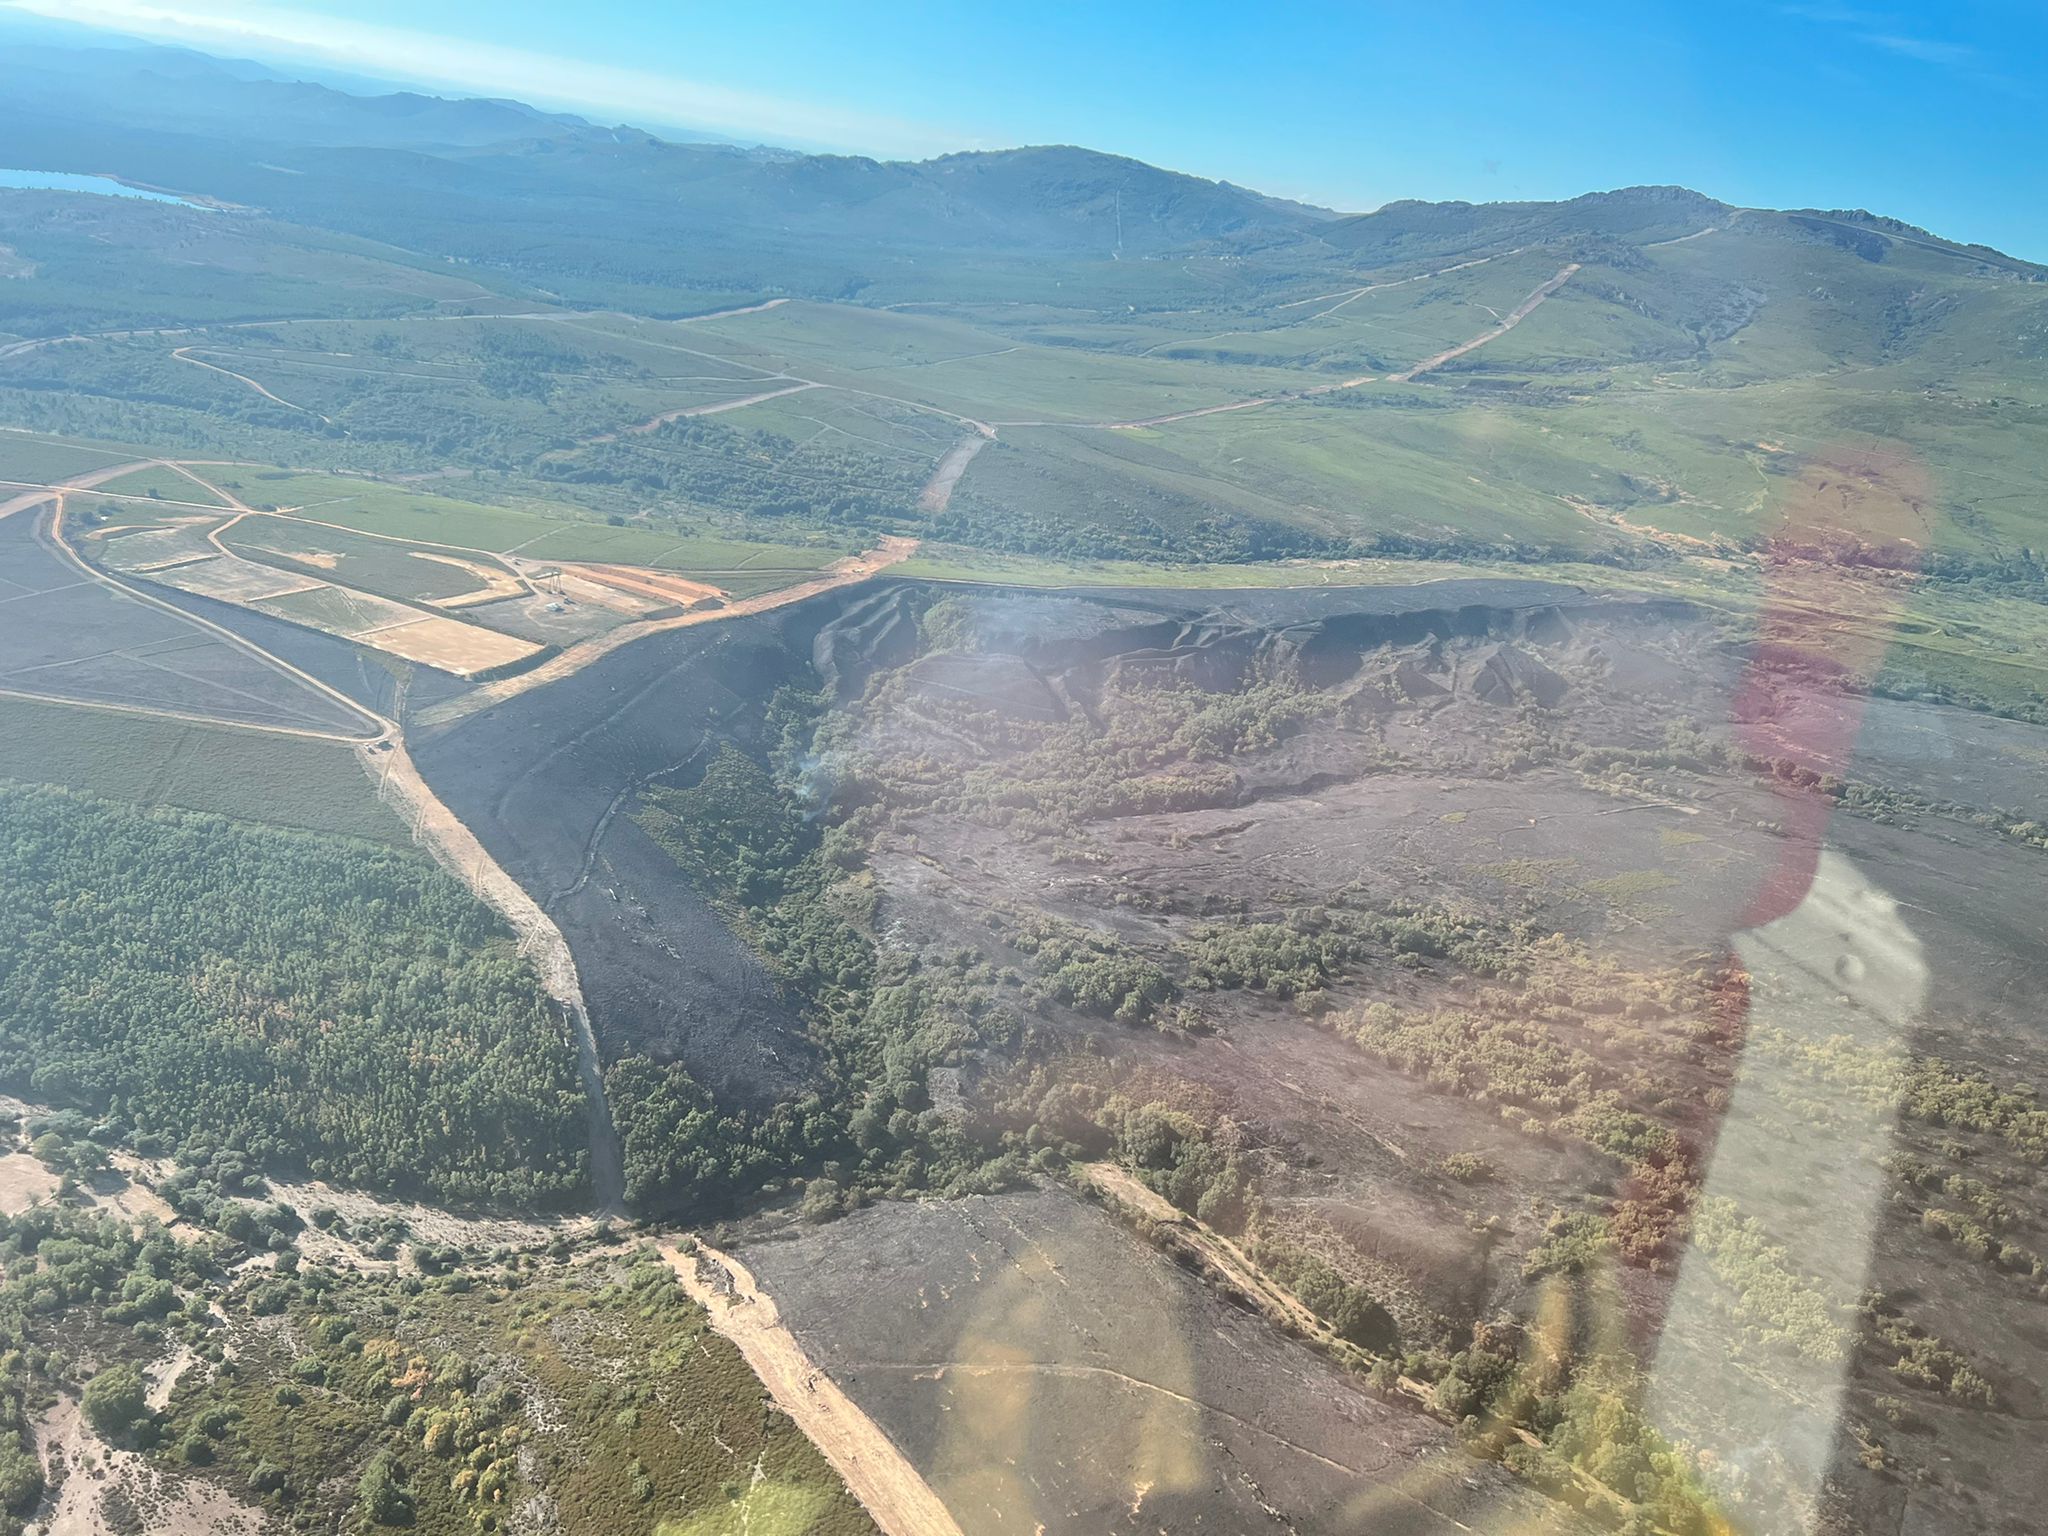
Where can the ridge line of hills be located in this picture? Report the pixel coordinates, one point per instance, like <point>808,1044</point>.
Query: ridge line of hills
<point>182,116</point>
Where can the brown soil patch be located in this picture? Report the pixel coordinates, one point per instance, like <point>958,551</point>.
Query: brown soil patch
<point>663,589</point>
<point>24,1182</point>
<point>464,649</point>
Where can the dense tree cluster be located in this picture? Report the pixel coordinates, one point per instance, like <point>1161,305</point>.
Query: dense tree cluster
<point>316,1002</point>
<point>883,1020</point>
<point>752,473</point>
<point>1094,971</point>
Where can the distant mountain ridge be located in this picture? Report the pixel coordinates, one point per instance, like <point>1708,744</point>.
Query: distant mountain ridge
<point>180,90</point>
<point>581,209</point>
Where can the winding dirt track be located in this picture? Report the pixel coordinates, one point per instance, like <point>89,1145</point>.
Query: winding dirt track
<point>1522,312</point>
<point>1255,402</point>
<point>893,1492</point>
<point>184,355</point>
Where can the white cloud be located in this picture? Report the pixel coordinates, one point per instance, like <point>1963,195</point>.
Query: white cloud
<point>645,95</point>
<point>1877,29</point>
<point>1927,50</point>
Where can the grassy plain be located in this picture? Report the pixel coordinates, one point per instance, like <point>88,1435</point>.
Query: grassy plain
<point>43,460</point>
<point>161,482</point>
<point>287,781</point>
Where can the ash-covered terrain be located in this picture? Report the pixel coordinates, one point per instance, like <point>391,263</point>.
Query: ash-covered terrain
<point>1605,1041</point>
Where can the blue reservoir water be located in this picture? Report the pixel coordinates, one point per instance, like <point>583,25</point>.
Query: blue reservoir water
<point>105,186</point>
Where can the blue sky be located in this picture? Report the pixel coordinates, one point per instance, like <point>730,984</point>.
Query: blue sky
<point>1934,113</point>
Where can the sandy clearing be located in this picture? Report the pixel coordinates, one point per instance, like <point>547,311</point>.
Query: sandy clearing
<point>893,1492</point>
<point>165,1375</point>
<point>91,1469</point>
<point>319,559</point>
<point>643,581</point>
<point>938,491</point>
<point>137,1199</point>
<point>231,579</point>
<point>427,1223</point>
<point>568,581</point>
<point>450,644</point>
<point>24,1182</point>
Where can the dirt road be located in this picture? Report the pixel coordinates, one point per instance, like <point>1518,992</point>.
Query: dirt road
<point>891,550</point>
<point>1225,1258</point>
<point>457,850</point>
<point>184,355</point>
<point>1254,403</point>
<point>51,537</point>
<point>893,1492</point>
<point>36,496</point>
<point>1343,297</point>
<point>727,314</point>
<point>717,407</point>
<point>1522,312</point>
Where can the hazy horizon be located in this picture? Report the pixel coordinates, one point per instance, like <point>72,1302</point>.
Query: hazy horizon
<point>1322,106</point>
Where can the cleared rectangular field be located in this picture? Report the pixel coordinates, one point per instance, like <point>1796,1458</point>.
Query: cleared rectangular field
<point>232,580</point>
<point>464,649</point>
<point>655,588</point>
<point>372,564</point>
<point>302,598</point>
<point>287,781</point>
<point>450,644</point>
<point>131,546</point>
<point>338,610</point>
